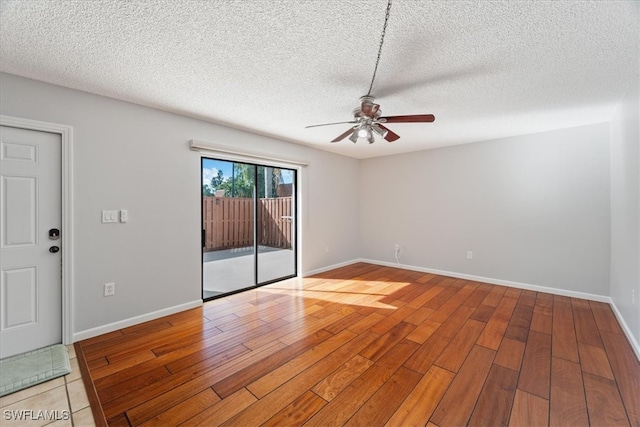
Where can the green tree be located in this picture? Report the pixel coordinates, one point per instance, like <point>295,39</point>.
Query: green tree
<point>216,181</point>
<point>214,184</point>
<point>206,190</point>
<point>242,182</point>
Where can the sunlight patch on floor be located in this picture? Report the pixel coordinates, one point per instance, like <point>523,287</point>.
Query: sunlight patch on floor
<point>354,292</point>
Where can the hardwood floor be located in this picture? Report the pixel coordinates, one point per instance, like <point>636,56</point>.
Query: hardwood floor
<point>366,345</point>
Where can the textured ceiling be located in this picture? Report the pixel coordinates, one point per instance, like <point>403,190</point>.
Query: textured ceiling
<point>485,69</point>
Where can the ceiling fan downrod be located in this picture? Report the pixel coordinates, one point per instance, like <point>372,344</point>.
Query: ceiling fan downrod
<point>384,31</point>
<point>367,118</point>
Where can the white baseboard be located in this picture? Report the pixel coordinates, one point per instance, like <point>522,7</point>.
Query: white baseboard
<point>90,333</point>
<point>627,330</point>
<point>330,267</point>
<point>555,291</point>
<point>537,288</point>
<point>94,332</point>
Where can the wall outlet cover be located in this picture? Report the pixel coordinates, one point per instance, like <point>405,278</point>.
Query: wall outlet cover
<point>109,289</point>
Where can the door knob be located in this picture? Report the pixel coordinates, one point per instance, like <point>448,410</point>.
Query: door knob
<point>54,234</point>
<point>54,249</point>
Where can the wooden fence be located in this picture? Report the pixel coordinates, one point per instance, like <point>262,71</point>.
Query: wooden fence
<point>228,222</point>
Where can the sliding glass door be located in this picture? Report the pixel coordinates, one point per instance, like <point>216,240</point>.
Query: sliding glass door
<point>248,226</point>
<point>276,246</point>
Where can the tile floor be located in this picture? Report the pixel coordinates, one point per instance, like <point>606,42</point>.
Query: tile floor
<point>64,399</point>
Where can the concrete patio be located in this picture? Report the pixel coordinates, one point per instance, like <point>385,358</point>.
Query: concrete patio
<point>231,270</point>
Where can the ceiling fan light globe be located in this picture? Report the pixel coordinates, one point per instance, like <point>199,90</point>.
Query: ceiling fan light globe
<point>363,132</point>
<point>377,129</point>
<point>354,137</point>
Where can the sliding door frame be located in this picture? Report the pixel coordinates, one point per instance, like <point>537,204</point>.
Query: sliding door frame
<point>295,227</point>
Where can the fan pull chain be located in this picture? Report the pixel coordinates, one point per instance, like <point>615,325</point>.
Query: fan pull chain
<point>384,30</point>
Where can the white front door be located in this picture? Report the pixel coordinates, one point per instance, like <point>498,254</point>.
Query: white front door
<point>30,266</point>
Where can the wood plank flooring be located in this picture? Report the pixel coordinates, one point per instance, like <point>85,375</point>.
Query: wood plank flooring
<point>366,345</point>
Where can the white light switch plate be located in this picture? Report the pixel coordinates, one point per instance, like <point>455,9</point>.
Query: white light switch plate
<point>109,216</point>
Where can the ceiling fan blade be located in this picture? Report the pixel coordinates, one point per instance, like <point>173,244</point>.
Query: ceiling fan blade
<point>390,136</point>
<point>329,124</point>
<point>344,135</point>
<point>414,118</point>
<point>369,109</point>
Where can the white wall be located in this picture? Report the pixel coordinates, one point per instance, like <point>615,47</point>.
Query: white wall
<point>625,208</point>
<point>533,209</point>
<point>136,158</point>
<point>537,209</point>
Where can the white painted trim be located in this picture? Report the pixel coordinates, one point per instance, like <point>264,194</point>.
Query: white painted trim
<point>518,285</point>
<point>537,288</point>
<point>104,329</point>
<point>331,267</point>
<point>67,240</point>
<point>627,331</point>
<point>231,154</point>
<point>555,291</point>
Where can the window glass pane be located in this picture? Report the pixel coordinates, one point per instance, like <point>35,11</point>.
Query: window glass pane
<point>248,225</point>
<point>276,223</point>
<point>228,226</point>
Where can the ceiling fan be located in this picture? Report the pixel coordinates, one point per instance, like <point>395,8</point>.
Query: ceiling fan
<point>368,119</point>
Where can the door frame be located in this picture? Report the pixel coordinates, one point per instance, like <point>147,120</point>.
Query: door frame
<point>296,230</point>
<point>221,152</point>
<point>66,168</point>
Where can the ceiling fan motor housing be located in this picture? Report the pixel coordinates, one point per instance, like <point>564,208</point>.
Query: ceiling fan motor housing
<point>358,114</point>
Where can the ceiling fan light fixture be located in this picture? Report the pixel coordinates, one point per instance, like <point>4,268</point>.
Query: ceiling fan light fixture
<point>364,131</point>
<point>354,137</point>
<point>377,129</point>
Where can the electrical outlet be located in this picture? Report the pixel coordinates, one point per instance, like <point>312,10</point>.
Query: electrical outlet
<point>633,296</point>
<point>469,254</point>
<point>326,250</point>
<point>109,289</point>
